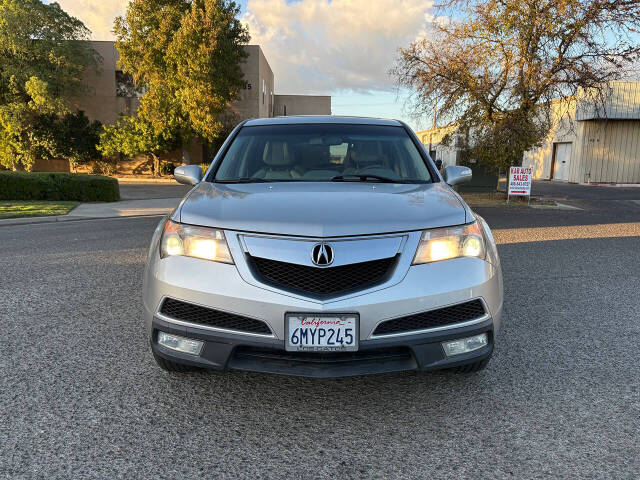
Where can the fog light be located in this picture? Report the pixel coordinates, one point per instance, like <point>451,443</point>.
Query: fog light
<point>465,345</point>
<point>180,344</point>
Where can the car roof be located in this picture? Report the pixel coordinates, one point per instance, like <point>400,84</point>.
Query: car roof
<point>311,119</point>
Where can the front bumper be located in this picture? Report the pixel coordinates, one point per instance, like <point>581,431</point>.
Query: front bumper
<point>224,351</point>
<point>414,289</point>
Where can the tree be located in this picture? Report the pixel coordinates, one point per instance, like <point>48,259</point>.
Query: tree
<point>496,66</point>
<point>185,55</point>
<point>75,138</point>
<point>43,54</point>
<point>133,136</point>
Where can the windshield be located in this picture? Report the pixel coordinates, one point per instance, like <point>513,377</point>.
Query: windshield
<point>323,153</point>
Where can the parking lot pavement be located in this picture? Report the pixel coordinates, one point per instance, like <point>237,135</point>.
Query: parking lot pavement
<point>82,398</point>
<point>597,204</point>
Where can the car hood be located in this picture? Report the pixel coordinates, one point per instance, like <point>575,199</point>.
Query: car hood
<point>322,209</point>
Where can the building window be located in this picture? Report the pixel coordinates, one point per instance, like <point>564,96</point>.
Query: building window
<point>125,86</point>
<point>264,90</point>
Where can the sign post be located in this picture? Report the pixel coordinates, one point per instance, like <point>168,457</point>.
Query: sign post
<point>520,182</point>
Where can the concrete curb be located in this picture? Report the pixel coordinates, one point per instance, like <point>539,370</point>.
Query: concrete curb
<point>94,211</point>
<point>557,206</point>
<point>7,222</point>
<point>612,185</point>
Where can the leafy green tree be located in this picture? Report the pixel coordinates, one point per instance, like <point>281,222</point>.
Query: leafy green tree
<point>494,67</point>
<point>186,56</point>
<point>43,54</point>
<point>133,136</point>
<point>76,138</point>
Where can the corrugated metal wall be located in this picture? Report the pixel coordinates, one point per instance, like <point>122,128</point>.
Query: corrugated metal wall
<point>603,149</point>
<point>564,130</point>
<point>606,151</point>
<point>621,102</point>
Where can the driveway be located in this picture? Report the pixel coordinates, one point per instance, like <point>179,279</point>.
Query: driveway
<point>82,397</point>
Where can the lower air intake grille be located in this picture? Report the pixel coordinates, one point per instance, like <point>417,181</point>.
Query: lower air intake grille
<point>323,281</point>
<point>462,312</point>
<point>187,312</point>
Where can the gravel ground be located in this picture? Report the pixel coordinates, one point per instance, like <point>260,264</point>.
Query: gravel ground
<point>82,398</point>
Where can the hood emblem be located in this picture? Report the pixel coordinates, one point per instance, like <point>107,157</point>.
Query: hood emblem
<point>322,254</point>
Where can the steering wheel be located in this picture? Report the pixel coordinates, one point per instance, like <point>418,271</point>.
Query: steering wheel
<point>378,170</point>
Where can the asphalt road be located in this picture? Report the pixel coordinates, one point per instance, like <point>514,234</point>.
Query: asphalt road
<point>82,398</point>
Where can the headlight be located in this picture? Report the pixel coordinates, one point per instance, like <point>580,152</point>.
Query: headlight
<point>453,242</point>
<point>198,242</point>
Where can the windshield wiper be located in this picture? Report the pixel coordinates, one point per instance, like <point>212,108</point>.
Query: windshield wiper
<point>244,180</point>
<point>363,178</point>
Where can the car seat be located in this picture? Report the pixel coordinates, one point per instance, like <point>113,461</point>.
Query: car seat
<point>366,158</point>
<point>314,163</point>
<point>277,162</point>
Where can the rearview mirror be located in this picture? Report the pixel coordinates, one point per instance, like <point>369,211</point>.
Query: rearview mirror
<point>455,175</point>
<point>188,174</point>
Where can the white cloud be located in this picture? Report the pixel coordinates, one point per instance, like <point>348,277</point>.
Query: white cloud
<point>97,15</point>
<point>313,46</point>
<point>319,46</point>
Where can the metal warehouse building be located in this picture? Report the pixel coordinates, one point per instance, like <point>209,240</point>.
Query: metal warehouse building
<point>593,144</point>
<point>592,141</point>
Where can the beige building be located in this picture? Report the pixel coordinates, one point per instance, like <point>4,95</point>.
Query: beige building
<point>112,93</point>
<point>432,140</point>
<point>593,140</point>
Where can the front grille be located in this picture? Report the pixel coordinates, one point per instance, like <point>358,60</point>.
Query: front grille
<point>462,312</point>
<point>267,354</point>
<point>188,312</point>
<point>322,365</point>
<point>323,281</point>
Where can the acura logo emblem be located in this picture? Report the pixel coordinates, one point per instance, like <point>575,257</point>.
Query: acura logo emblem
<point>322,255</point>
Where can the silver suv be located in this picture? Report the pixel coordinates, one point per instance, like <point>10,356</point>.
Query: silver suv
<point>322,247</point>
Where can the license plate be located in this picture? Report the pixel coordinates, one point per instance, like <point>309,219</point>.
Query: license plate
<point>321,333</point>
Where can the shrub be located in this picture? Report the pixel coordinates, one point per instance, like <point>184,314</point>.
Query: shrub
<point>58,186</point>
<point>204,167</point>
<point>104,167</point>
<point>167,168</point>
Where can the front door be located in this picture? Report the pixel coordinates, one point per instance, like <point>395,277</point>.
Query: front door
<point>561,161</point>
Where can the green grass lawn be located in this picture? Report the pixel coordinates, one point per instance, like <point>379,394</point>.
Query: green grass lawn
<point>492,199</point>
<point>24,208</point>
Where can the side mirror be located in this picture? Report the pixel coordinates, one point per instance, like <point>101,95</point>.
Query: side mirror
<point>455,175</point>
<point>188,174</point>
<point>439,164</point>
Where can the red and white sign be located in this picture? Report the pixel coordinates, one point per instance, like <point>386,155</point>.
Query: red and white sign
<point>520,180</point>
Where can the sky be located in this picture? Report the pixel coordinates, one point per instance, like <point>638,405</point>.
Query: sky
<point>342,48</point>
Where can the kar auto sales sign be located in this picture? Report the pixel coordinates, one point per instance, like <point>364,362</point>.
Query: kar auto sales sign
<point>520,180</point>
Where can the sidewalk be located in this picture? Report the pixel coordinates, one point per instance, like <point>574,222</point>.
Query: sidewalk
<point>140,180</point>
<point>88,211</point>
<point>126,208</point>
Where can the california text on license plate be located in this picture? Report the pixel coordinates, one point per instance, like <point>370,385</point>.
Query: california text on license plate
<point>321,333</point>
